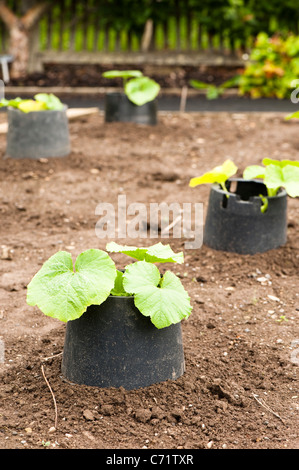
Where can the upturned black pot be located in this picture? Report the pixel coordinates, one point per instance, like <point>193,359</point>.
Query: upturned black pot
<point>118,108</point>
<point>114,345</point>
<point>236,224</point>
<point>38,134</point>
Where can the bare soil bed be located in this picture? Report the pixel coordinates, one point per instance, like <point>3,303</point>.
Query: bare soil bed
<point>241,342</point>
<point>87,75</point>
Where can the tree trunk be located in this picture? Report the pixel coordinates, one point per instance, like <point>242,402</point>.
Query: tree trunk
<point>20,31</point>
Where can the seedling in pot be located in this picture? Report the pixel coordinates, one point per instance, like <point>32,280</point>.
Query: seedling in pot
<point>138,88</point>
<point>61,293</point>
<point>275,175</point>
<point>41,102</point>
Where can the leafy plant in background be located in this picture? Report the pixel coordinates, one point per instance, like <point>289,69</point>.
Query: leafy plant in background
<point>275,175</point>
<point>214,91</point>
<point>237,22</point>
<point>61,293</point>
<point>41,102</point>
<point>138,88</point>
<point>273,65</point>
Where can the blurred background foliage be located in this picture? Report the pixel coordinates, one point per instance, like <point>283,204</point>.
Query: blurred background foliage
<point>273,66</point>
<point>266,32</point>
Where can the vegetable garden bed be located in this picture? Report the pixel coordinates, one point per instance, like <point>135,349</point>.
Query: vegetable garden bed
<point>241,341</point>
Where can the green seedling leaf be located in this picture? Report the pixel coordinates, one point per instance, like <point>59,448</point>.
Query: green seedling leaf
<point>283,177</point>
<point>14,103</point>
<point>280,163</point>
<point>198,84</point>
<point>61,293</point>
<point>219,174</point>
<point>118,289</point>
<point>157,253</point>
<point>160,253</point>
<point>254,171</point>
<point>51,101</point>
<point>125,74</point>
<point>163,299</point>
<point>141,90</point>
<point>140,275</point>
<point>28,106</point>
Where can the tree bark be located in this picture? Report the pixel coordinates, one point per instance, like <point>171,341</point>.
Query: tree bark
<point>20,30</point>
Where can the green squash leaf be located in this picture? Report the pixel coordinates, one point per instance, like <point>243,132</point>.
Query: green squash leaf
<point>220,174</point>
<point>254,171</point>
<point>61,293</point>
<point>283,177</point>
<point>157,253</point>
<point>164,299</point>
<point>141,90</point>
<point>14,103</point>
<point>51,101</point>
<point>280,163</point>
<point>28,106</point>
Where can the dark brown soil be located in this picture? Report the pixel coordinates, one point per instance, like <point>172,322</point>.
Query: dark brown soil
<point>91,75</point>
<point>241,342</point>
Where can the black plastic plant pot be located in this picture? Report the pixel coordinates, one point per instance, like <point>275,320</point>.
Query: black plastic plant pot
<point>38,134</point>
<point>118,108</point>
<point>237,224</point>
<point>114,345</point>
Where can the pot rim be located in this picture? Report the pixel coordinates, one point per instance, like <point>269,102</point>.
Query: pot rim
<point>12,109</point>
<point>109,93</point>
<point>216,187</point>
<point>123,94</point>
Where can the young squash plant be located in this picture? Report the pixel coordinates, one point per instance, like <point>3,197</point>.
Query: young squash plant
<point>213,91</point>
<point>41,102</point>
<point>138,88</point>
<point>62,293</point>
<point>275,174</point>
